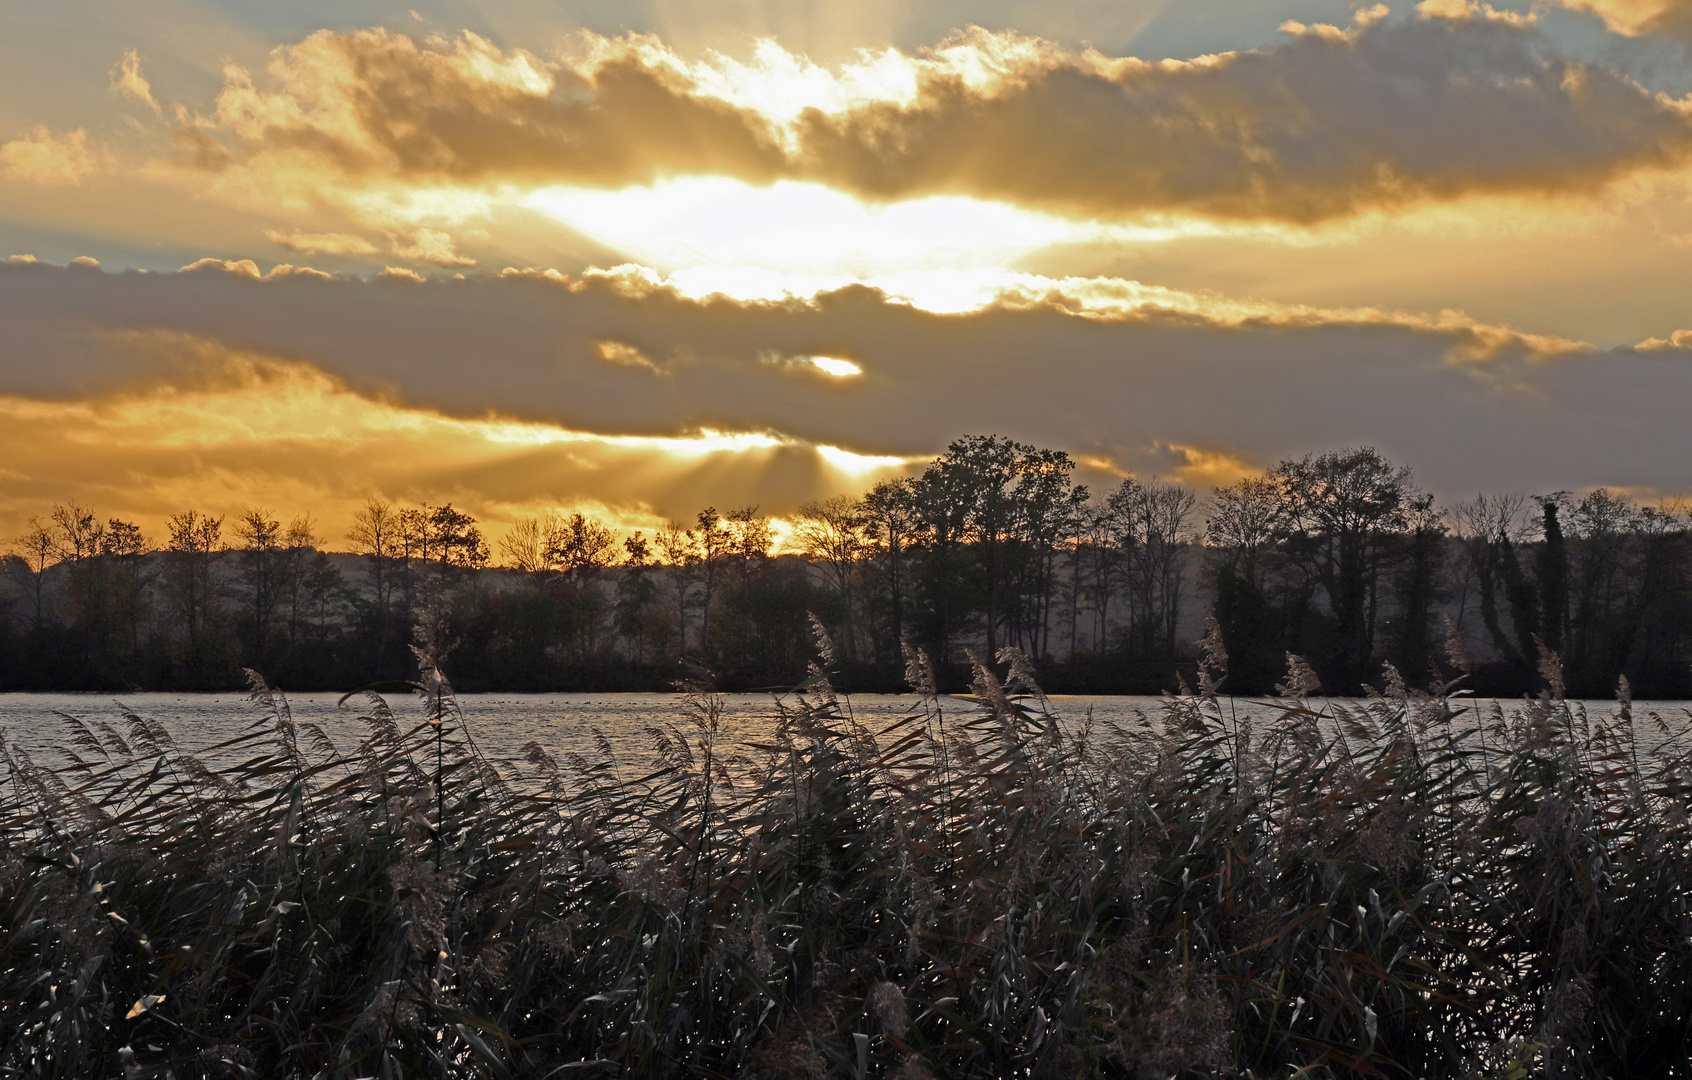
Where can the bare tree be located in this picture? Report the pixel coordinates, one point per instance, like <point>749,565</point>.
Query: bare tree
<point>711,549</point>
<point>378,534</point>
<point>260,559</point>
<point>525,546</point>
<point>889,516</point>
<point>76,532</point>
<point>580,547</point>
<point>1150,526</point>
<point>830,533</point>
<point>1339,510</point>
<point>680,552</point>
<point>195,545</point>
<point>32,554</point>
<point>1243,521</point>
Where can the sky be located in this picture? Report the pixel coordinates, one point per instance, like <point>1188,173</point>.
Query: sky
<point>636,257</point>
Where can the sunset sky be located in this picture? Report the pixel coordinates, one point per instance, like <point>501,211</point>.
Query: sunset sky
<point>637,257</point>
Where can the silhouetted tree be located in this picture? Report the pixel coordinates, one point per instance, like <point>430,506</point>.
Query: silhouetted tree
<point>194,547</point>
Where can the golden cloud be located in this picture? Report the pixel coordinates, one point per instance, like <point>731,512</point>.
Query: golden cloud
<point>231,428</point>
<point>1679,340</point>
<point>41,157</point>
<point>1207,467</point>
<point>621,354</point>
<point>1671,18</point>
<point>127,81</point>
<point>321,243</point>
<point>1328,123</point>
<point>431,245</point>
<point>1157,381</point>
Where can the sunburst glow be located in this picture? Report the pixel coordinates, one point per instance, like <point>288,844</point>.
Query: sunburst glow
<point>835,366</point>
<point>796,227</point>
<point>305,437</point>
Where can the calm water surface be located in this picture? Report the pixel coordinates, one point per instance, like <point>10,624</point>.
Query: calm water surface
<point>503,723</point>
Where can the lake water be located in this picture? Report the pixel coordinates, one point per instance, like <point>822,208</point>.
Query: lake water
<point>503,723</point>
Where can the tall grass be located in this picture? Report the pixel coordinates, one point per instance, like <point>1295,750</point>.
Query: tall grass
<point>1394,887</point>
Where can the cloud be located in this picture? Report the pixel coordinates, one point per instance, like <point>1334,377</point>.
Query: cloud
<point>1679,341</point>
<point>376,106</point>
<point>50,160</point>
<point>1179,385</point>
<point>430,245</point>
<point>229,429</point>
<point>1208,467</point>
<point>1670,18</point>
<point>127,81</point>
<point>321,243</point>
<point>1328,123</point>
<point>617,354</point>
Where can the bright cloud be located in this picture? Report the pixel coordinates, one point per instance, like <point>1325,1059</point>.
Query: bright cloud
<point>1134,378</point>
<point>833,365</point>
<point>232,429</point>
<point>1328,123</point>
<point>41,157</point>
<point>324,243</point>
<point>755,278</point>
<point>1672,18</point>
<point>797,227</point>
<point>127,81</point>
<point>430,245</point>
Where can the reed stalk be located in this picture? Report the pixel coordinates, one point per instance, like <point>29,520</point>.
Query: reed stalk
<point>1375,888</point>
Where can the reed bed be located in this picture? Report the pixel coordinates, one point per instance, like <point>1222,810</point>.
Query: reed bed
<point>1396,887</point>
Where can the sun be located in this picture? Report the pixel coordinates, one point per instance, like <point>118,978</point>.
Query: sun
<point>793,227</point>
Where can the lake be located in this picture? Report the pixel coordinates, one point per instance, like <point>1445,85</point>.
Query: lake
<point>502,724</point>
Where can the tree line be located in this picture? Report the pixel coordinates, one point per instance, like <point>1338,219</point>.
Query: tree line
<point>1337,556</point>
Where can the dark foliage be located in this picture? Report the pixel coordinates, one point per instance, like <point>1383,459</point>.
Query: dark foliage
<point>1336,556</point>
<point>1395,888</point>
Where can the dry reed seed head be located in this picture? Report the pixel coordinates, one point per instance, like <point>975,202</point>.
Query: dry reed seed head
<point>114,741</point>
<point>1021,671</point>
<point>1159,1022</point>
<point>373,1020</point>
<point>1211,647</point>
<point>887,1004</point>
<point>696,682</point>
<point>431,635</point>
<point>259,692</point>
<point>77,919</point>
<point>1354,722</point>
<point>1208,686</point>
<point>825,643</point>
<point>919,671</point>
<point>820,688</point>
<point>421,892</point>
<point>986,687</point>
<point>1395,687</point>
<point>1302,680</point>
<point>1566,1008</point>
<point>1427,711</point>
<point>1624,695</point>
<point>320,740</point>
<point>1388,840</point>
<point>1182,714</point>
<point>1551,670</point>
